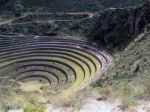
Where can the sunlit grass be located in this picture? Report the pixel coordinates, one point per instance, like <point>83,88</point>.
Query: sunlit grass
<point>5,21</point>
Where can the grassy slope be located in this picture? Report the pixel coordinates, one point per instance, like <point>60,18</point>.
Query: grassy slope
<point>130,75</point>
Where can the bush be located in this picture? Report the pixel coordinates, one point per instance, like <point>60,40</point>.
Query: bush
<point>34,108</point>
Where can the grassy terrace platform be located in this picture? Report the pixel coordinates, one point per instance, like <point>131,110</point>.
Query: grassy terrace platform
<point>39,17</point>
<point>48,24</point>
<point>48,64</point>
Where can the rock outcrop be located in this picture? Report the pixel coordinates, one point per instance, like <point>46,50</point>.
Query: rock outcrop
<point>116,27</point>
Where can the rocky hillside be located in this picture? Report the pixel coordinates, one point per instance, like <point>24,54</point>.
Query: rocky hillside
<point>119,26</point>
<point>115,27</point>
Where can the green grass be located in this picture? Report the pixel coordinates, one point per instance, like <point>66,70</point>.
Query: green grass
<point>29,107</point>
<point>5,21</point>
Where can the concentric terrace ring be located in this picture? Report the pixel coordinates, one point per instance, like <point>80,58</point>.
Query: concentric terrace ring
<point>48,64</point>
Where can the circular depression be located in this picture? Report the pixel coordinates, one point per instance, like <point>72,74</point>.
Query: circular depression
<point>48,64</point>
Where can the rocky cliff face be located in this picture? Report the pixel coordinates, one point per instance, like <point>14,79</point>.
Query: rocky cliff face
<point>117,27</point>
